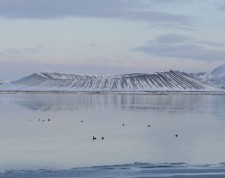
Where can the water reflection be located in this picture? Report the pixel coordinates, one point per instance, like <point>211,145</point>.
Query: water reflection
<point>159,103</point>
<point>217,106</point>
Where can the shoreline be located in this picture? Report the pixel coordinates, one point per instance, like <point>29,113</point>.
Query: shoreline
<point>127,170</point>
<point>222,92</point>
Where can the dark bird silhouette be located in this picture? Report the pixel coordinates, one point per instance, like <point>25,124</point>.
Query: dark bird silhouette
<point>123,124</point>
<point>94,138</point>
<point>81,121</point>
<point>49,119</point>
<point>102,138</point>
<point>176,135</point>
<point>148,125</point>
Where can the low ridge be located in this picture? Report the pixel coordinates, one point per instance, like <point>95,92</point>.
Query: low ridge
<point>160,81</point>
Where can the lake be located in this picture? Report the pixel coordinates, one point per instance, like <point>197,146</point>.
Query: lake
<point>55,131</point>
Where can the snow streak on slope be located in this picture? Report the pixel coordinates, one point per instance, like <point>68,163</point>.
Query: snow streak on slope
<point>160,81</point>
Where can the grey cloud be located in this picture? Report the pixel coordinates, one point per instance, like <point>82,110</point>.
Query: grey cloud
<point>13,51</point>
<point>42,9</point>
<point>172,38</point>
<point>155,16</point>
<point>219,5</point>
<point>22,51</point>
<point>178,46</point>
<point>33,51</point>
<point>93,45</point>
<point>175,25</point>
<point>222,7</point>
<point>210,43</point>
<point>51,9</point>
<point>177,38</point>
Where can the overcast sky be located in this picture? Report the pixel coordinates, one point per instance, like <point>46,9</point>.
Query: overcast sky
<point>110,36</point>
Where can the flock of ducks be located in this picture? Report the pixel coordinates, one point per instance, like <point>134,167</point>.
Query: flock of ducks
<point>93,137</point>
<point>44,120</point>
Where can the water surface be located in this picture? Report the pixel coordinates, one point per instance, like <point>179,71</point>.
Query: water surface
<point>29,141</point>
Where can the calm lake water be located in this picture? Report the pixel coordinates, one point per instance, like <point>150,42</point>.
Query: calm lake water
<point>29,141</point>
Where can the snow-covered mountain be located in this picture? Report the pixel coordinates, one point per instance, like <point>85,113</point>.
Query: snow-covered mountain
<point>216,77</point>
<point>160,81</point>
<point>2,81</point>
<point>219,74</point>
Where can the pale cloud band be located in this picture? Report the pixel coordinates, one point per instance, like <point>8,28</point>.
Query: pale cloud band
<point>53,9</point>
<point>180,46</point>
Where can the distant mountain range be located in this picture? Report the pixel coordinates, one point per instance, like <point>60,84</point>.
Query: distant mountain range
<point>2,81</point>
<point>159,81</point>
<point>216,77</point>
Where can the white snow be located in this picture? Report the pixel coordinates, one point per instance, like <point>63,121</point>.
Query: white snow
<point>160,81</point>
<point>219,72</point>
<point>216,77</point>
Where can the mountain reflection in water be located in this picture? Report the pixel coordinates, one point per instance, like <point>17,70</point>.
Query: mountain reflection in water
<point>161,103</point>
